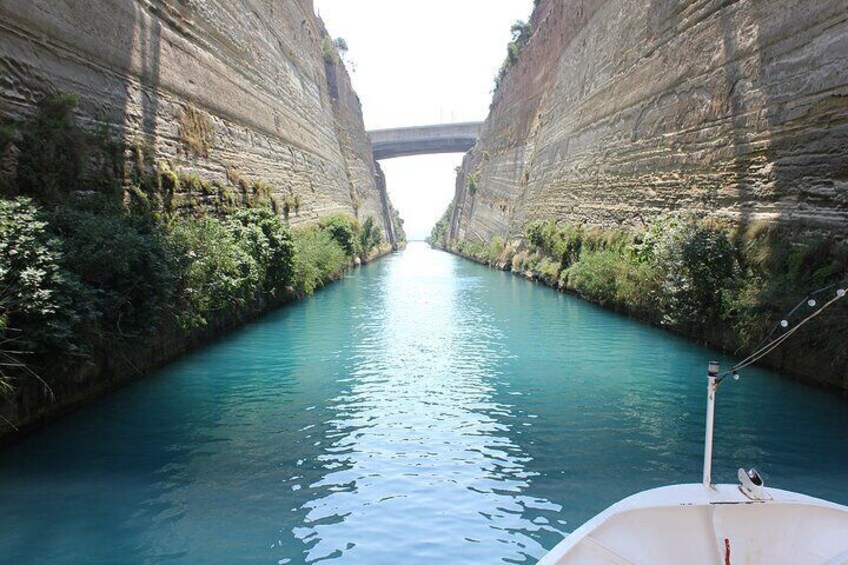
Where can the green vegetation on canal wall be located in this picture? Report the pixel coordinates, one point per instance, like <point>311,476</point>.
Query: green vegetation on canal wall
<point>100,281</point>
<point>713,282</point>
<point>600,126</point>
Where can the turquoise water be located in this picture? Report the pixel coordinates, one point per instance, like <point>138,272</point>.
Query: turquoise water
<point>424,410</point>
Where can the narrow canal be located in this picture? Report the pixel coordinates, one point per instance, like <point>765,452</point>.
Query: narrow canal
<point>424,410</point>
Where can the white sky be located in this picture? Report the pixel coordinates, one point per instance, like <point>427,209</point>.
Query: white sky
<point>420,63</point>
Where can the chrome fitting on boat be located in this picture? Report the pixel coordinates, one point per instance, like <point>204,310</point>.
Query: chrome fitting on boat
<point>752,484</point>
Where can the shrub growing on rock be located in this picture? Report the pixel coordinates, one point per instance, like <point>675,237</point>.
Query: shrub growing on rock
<point>39,296</point>
<point>344,230</point>
<point>370,235</point>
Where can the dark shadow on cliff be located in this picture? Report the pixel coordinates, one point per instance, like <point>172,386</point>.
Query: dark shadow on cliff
<point>149,31</point>
<point>81,93</point>
<point>737,85</point>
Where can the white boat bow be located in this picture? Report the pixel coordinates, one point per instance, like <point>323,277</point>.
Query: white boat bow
<point>709,524</point>
<point>693,524</point>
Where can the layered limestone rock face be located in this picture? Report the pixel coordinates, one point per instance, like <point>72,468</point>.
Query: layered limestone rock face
<point>251,73</point>
<point>617,111</point>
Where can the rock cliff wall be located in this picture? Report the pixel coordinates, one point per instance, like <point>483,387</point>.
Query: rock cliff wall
<point>615,113</point>
<point>232,99</point>
<point>619,110</point>
<point>253,73</point>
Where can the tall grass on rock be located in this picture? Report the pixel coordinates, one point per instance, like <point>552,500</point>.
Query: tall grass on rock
<point>318,258</point>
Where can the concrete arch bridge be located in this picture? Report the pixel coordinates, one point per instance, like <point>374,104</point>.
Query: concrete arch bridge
<point>424,140</point>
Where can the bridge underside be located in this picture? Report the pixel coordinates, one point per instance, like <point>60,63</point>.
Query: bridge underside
<point>423,147</point>
<point>402,142</point>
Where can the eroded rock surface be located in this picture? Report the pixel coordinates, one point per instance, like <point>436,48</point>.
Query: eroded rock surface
<point>617,111</point>
<point>254,69</point>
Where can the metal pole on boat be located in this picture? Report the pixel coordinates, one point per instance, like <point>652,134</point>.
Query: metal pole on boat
<point>712,374</point>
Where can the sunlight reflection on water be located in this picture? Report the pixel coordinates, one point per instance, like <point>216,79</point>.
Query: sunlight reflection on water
<point>426,409</point>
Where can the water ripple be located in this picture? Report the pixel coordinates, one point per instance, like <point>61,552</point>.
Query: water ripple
<point>424,410</point>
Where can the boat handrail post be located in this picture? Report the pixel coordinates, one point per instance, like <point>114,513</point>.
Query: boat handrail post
<point>712,376</point>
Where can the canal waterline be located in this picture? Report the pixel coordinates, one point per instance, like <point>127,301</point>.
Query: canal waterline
<point>424,409</point>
